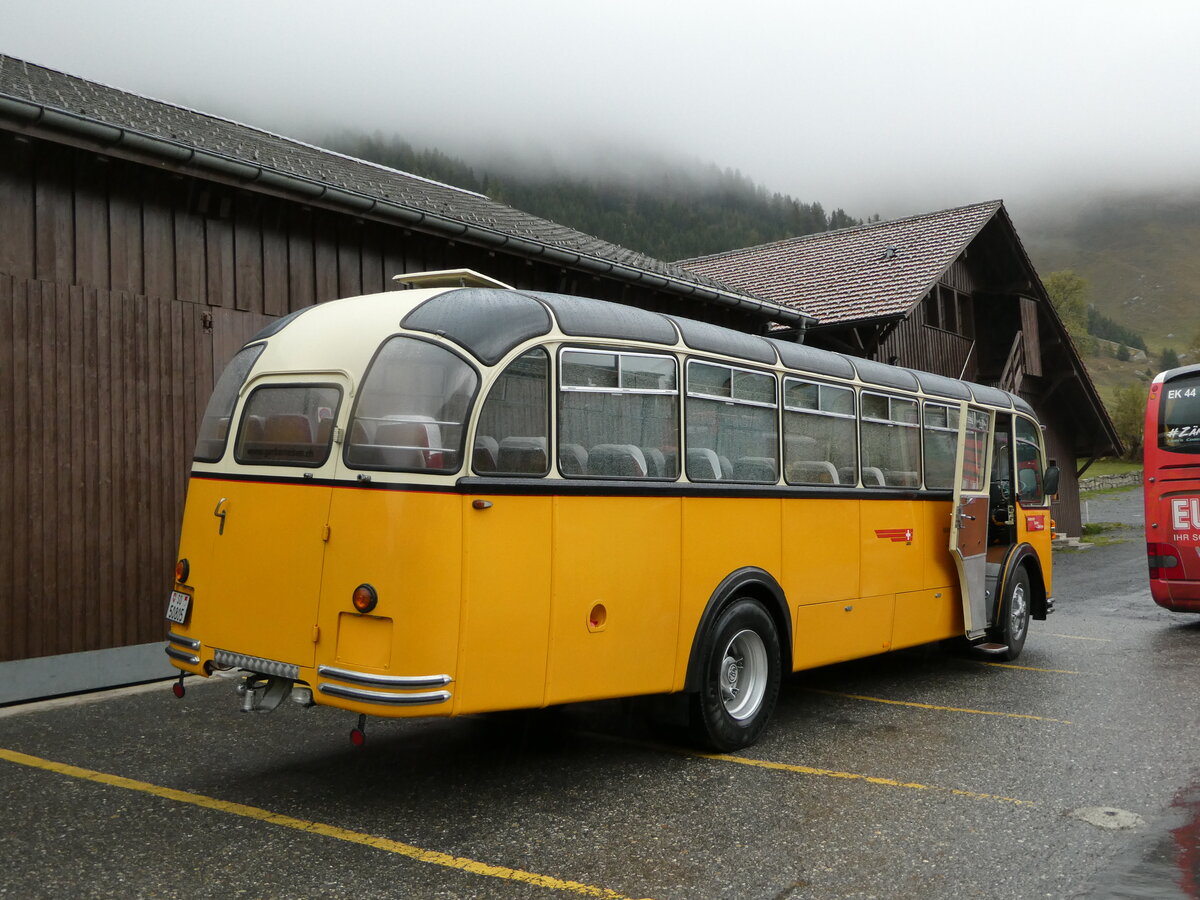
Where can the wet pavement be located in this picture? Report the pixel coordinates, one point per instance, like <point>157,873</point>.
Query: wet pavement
<point>1073,772</point>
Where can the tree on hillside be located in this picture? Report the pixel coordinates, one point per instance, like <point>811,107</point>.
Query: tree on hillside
<point>1128,414</point>
<point>1170,359</point>
<point>1068,294</point>
<point>670,210</point>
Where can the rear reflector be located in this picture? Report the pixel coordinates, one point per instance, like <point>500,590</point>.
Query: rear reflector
<point>1163,560</point>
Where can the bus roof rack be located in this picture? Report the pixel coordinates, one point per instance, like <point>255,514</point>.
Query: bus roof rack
<point>449,278</point>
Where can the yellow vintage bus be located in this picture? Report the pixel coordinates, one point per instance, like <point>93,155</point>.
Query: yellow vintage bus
<point>458,500</point>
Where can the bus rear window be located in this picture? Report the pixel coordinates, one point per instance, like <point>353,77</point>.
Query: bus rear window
<point>1179,421</point>
<point>412,408</point>
<point>287,425</point>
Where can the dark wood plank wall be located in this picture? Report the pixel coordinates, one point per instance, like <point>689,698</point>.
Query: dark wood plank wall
<point>920,346</point>
<point>100,392</point>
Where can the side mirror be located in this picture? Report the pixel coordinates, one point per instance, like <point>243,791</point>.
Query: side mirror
<point>1050,481</point>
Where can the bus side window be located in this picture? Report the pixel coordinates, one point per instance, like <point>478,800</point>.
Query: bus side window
<point>891,441</point>
<point>1030,463</point>
<point>618,415</point>
<point>732,416</point>
<point>214,427</point>
<point>940,439</point>
<point>514,422</point>
<point>277,425</point>
<point>411,409</point>
<point>819,444</point>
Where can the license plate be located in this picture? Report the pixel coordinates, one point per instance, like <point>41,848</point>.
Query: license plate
<point>177,607</point>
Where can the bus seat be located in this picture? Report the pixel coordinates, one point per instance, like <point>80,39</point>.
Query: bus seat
<point>656,462</point>
<point>288,428</point>
<point>254,429</point>
<point>755,468</point>
<point>324,431</point>
<point>522,456</point>
<point>670,464</point>
<point>872,476</point>
<point>485,453</point>
<point>902,478</point>
<point>703,464</point>
<point>222,428</point>
<point>813,471</point>
<point>402,445</point>
<point>621,460</point>
<point>572,459</point>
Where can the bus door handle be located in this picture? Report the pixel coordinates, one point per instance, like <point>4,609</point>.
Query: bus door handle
<point>220,514</point>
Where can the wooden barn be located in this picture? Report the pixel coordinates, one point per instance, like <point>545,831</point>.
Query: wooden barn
<point>141,243</point>
<point>951,292</point>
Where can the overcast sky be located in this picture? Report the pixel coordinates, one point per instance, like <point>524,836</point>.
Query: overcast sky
<point>889,107</point>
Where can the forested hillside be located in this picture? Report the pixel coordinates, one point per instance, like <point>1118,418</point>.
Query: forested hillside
<point>667,211</point>
<point>1140,256</point>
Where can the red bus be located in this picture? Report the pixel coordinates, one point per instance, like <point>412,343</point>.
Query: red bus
<point>1172,479</point>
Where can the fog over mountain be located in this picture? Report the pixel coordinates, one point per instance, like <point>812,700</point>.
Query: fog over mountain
<point>874,107</point>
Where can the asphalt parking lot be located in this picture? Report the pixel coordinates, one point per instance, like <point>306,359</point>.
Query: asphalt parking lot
<point>1074,772</point>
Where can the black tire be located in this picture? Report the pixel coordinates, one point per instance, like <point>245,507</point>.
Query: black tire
<point>739,678</point>
<point>1013,627</point>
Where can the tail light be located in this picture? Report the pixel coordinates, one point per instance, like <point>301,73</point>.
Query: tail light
<point>1163,559</point>
<point>182,570</point>
<point>364,598</point>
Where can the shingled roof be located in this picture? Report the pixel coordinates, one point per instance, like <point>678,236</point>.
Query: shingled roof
<point>874,271</point>
<point>42,98</point>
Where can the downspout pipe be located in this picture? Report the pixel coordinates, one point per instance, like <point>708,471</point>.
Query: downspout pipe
<point>32,114</point>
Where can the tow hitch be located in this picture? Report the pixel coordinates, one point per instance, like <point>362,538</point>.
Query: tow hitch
<point>263,693</point>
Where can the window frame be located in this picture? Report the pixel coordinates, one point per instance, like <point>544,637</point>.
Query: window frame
<point>864,419</point>
<point>949,407</point>
<point>243,420</point>
<point>852,417</point>
<point>475,419</point>
<point>468,418</point>
<point>562,386</point>
<point>731,400</point>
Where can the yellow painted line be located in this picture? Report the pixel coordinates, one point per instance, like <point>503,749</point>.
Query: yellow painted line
<point>1031,668</point>
<point>974,712</point>
<point>806,770</point>
<point>852,776</point>
<point>354,837</point>
<point>1076,637</point>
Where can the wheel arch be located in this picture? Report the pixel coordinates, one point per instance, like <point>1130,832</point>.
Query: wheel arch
<point>756,584</point>
<point>1020,555</point>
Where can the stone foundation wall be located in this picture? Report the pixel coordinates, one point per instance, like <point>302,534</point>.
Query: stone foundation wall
<point>1100,482</point>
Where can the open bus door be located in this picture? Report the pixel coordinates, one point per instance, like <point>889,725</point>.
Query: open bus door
<point>969,516</point>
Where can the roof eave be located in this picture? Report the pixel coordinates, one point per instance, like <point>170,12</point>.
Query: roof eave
<point>46,121</point>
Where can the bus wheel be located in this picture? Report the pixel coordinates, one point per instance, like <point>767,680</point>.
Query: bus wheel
<point>740,678</point>
<point>1014,614</point>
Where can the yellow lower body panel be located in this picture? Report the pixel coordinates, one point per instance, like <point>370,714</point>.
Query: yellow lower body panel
<point>845,629</point>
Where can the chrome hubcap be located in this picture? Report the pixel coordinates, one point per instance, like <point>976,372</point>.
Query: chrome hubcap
<point>1018,612</point>
<point>743,674</point>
